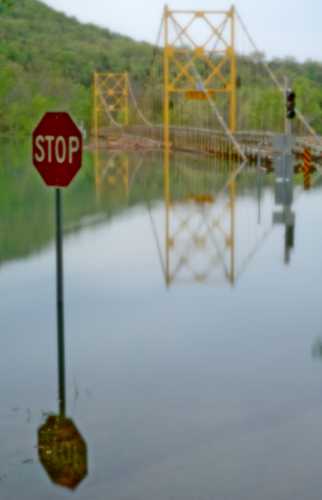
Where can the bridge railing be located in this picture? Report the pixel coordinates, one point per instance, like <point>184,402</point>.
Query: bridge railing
<point>207,141</point>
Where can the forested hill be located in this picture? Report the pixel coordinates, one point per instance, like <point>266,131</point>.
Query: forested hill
<point>47,62</point>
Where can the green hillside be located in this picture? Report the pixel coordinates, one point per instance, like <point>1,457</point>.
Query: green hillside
<point>47,62</point>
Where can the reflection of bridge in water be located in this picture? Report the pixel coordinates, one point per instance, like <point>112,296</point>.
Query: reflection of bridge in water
<point>212,223</point>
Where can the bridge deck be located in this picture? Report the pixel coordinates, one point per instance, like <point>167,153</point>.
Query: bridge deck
<point>256,146</point>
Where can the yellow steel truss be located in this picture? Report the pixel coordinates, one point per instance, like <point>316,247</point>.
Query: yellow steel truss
<point>215,57</point>
<point>111,100</point>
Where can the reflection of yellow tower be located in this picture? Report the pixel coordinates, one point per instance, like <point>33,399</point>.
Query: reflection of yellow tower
<point>111,172</point>
<point>200,240</point>
<point>199,69</point>
<point>110,100</point>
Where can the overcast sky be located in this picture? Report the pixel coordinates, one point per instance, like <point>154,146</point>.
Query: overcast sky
<point>279,27</point>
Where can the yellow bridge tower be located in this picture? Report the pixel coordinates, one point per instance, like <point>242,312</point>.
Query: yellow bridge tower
<point>111,100</point>
<point>199,69</point>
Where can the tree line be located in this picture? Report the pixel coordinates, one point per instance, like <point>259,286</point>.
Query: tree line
<point>47,61</point>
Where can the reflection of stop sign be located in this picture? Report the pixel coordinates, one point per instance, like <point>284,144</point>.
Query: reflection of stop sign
<point>57,146</point>
<point>62,451</point>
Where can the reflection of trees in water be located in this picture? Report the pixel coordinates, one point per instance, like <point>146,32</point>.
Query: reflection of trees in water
<point>317,349</point>
<point>26,207</point>
<point>27,211</point>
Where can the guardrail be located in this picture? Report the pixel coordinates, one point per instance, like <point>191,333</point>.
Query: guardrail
<point>207,141</point>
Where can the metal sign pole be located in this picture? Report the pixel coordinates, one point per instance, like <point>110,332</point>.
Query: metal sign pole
<point>60,302</point>
<point>57,147</point>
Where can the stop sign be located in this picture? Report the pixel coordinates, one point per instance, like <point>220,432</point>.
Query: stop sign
<point>57,146</point>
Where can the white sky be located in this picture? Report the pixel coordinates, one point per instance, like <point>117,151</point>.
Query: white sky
<point>279,27</point>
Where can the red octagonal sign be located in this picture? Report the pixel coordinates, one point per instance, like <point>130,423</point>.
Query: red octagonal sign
<point>57,146</point>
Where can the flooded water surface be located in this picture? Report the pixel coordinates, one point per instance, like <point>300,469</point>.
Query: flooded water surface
<point>193,332</point>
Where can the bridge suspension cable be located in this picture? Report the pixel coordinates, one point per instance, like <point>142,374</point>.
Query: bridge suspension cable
<point>139,112</point>
<point>107,111</point>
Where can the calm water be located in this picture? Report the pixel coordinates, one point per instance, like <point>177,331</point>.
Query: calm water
<point>192,332</point>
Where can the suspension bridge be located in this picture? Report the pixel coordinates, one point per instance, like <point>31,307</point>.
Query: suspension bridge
<point>193,99</point>
<point>195,108</point>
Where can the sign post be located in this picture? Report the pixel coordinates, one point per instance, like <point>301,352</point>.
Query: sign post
<point>57,155</point>
<point>60,300</point>
<point>57,146</point>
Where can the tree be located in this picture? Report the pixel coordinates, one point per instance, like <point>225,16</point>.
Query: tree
<point>4,4</point>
